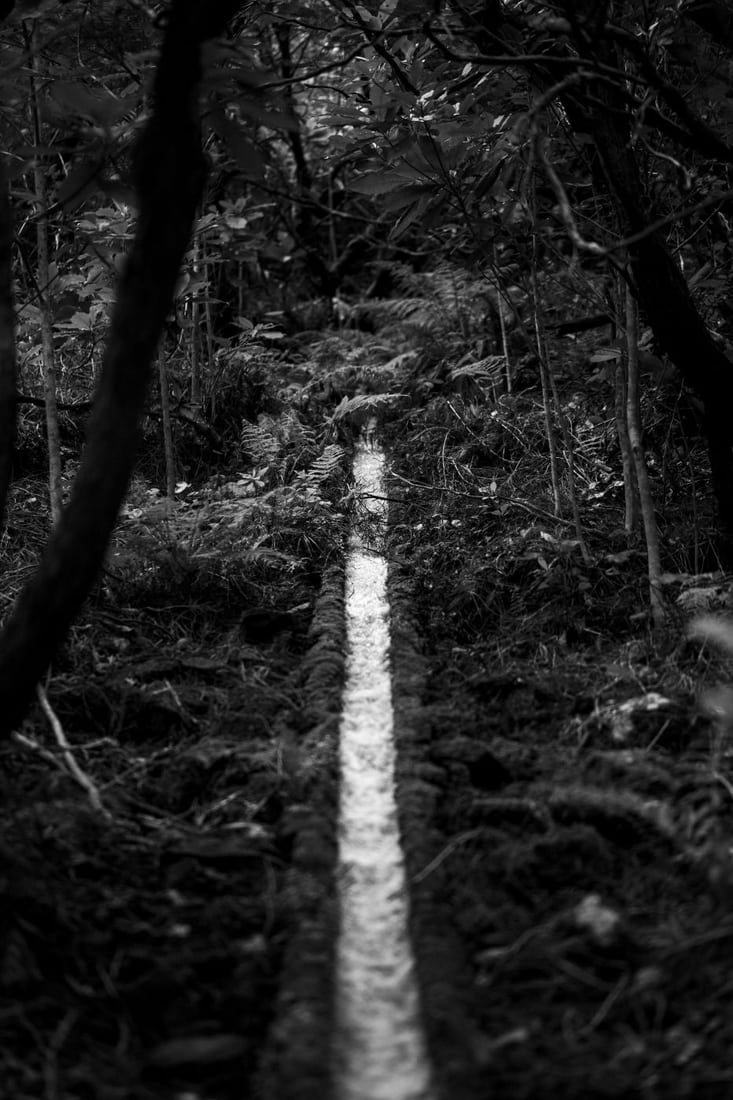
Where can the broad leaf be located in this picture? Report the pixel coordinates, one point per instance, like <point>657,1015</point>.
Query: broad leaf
<point>242,150</point>
<point>98,104</point>
<point>397,200</point>
<point>377,183</point>
<point>81,182</point>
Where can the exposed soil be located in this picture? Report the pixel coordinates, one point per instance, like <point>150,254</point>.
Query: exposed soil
<point>566,810</point>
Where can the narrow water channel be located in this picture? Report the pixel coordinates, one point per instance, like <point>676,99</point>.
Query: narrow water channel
<point>379,1045</point>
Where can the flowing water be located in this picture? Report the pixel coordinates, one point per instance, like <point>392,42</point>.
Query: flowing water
<point>379,1046</point>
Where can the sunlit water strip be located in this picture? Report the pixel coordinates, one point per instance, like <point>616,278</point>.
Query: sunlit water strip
<point>379,1048</point>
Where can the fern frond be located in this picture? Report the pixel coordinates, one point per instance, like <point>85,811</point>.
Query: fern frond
<point>325,465</point>
<point>364,402</point>
<point>489,369</point>
<point>259,442</point>
<point>401,309</point>
<point>398,361</point>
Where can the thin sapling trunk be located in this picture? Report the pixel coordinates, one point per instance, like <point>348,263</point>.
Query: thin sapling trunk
<point>165,416</point>
<point>646,501</point>
<point>631,511</point>
<point>45,304</point>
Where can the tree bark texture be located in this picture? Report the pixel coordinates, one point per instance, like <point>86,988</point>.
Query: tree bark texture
<point>170,171</point>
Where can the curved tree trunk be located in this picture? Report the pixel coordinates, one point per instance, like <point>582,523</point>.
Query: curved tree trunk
<point>599,108</point>
<point>714,16</point>
<point>170,175</point>
<point>662,291</point>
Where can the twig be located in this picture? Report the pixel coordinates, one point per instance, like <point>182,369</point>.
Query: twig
<point>51,1066</point>
<point>29,743</point>
<point>445,852</point>
<point>512,501</point>
<point>566,210</point>
<point>73,768</point>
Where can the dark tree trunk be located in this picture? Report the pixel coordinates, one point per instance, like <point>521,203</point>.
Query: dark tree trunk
<point>170,175</point>
<point>598,108</point>
<point>715,17</point>
<point>662,290</point>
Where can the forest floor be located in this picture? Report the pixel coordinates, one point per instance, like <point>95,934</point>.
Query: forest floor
<point>566,801</point>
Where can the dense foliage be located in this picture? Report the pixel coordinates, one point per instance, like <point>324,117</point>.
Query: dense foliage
<point>232,234</point>
<point>472,188</point>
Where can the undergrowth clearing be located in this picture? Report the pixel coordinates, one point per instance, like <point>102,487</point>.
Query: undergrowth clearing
<point>565,795</point>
